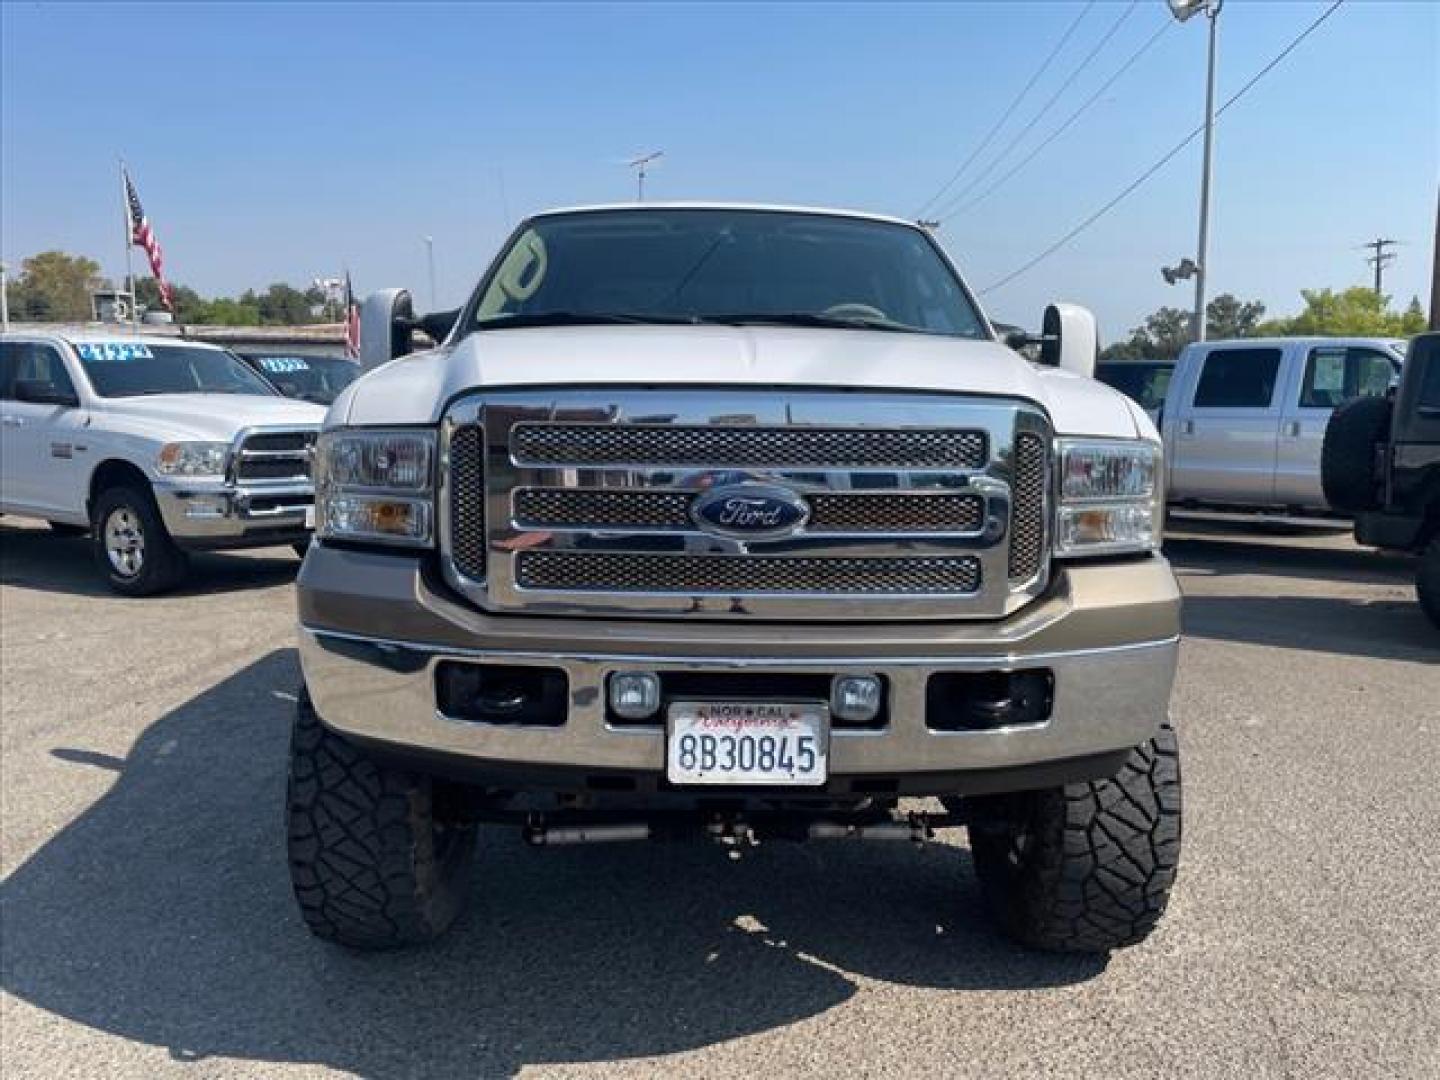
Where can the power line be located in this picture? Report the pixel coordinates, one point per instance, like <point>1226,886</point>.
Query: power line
<point>1169,155</point>
<point>1070,120</point>
<point>1015,104</point>
<point>1044,109</point>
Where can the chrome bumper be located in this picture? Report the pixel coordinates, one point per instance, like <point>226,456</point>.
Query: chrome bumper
<point>374,629</point>
<point>198,513</point>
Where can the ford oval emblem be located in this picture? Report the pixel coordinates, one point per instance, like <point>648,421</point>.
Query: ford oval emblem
<point>750,512</point>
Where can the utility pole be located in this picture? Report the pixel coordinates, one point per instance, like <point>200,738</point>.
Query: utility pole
<point>430,257</point>
<point>1435,272</point>
<point>639,164</point>
<point>1380,260</point>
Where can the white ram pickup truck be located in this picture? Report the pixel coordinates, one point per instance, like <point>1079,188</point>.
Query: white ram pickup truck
<point>153,446</point>
<point>737,522</point>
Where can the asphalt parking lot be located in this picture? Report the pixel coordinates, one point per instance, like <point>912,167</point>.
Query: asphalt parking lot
<point>148,928</point>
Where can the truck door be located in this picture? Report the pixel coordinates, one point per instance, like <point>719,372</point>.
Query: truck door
<point>1322,377</point>
<point>41,474</point>
<point>1225,434</point>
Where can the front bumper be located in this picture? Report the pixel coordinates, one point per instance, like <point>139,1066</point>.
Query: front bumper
<point>219,514</point>
<point>375,626</point>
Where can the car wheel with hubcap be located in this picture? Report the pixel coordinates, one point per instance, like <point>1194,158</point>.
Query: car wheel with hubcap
<point>131,544</point>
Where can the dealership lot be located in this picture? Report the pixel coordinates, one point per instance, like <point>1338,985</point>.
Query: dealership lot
<point>147,926</point>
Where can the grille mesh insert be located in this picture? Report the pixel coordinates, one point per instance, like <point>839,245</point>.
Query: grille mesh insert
<point>1027,513</point>
<point>571,571</point>
<point>744,447</point>
<point>586,508</point>
<point>467,501</point>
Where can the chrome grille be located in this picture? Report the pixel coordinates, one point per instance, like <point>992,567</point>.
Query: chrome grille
<point>274,456</point>
<point>578,501</point>
<point>850,512</point>
<point>730,574</point>
<point>1027,514</point>
<point>467,501</point>
<point>744,447</point>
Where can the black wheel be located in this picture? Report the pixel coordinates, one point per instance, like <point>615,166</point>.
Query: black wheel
<point>1427,582</point>
<point>132,545</point>
<point>1086,867</point>
<point>373,864</point>
<point>1347,456</point>
<point>64,528</point>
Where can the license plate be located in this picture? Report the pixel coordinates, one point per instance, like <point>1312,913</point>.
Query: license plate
<point>309,517</point>
<point>751,743</point>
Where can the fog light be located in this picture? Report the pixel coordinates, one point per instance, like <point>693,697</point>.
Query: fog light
<point>855,698</point>
<point>634,695</point>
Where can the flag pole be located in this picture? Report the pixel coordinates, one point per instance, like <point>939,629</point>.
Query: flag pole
<point>129,251</point>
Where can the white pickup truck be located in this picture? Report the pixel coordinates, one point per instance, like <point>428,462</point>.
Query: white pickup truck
<point>154,447</point>
<point>738,522</point>
<point>1243,420</point>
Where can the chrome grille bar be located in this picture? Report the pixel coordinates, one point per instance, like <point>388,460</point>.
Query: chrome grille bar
<point>582,502</point>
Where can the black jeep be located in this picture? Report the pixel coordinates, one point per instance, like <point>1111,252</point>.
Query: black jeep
<point>1381,462</point>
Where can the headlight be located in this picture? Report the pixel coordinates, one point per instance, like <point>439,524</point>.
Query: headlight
<point>376,486</point>
<point>1111,497</point>
<point>192,459</point>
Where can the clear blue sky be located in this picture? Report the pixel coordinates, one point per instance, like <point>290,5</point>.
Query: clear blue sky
<point>281,142</point>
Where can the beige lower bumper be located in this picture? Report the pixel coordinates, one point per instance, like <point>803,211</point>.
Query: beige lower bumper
<point>373,631</point>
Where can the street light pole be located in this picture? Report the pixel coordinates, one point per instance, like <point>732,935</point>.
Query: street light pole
<point>430,256</point>
<point>1202,252</point>
<point>1182,10</point>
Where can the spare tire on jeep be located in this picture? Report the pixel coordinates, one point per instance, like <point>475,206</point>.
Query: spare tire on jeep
<point>1347,459</point>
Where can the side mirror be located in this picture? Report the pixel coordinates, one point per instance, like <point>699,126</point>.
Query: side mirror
<point>386,319</point>
<point>1069,339</point>
<point>44,392</point>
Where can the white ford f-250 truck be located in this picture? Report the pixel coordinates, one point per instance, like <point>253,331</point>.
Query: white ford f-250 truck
<point>154,446</point>
<point>738,522</point>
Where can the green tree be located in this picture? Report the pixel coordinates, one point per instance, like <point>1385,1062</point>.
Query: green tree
<point>1226,317</point>
<point>189,305</point>
<point>283,305</point>
<point>225,311</point>
<point>1354,312</point>
<point>55,287</point>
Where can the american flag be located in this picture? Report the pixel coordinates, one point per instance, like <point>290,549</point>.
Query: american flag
<point>141,235</point>
<point>352,321</point>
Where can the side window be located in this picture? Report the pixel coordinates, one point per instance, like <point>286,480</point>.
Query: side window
<point>1337,373</point>
<point>1430,388</point>
<point>1370,373</point>
<point>41,363</point>
<point>1238,379</point>
<point>9,365</point>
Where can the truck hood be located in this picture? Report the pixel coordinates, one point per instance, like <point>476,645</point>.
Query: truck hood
<point>216,417</point>
<point>416,389</point>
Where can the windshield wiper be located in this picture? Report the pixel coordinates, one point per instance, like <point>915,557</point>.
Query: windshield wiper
<point>816,318</point>
<point>578,318</point>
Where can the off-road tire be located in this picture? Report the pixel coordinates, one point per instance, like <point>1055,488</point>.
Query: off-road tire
<point>1347,456</point>
<point>163,565</point>
<point>1427,582</point>
<point>1086,867</point>
<point>64,528</point>
<point>372,865</point>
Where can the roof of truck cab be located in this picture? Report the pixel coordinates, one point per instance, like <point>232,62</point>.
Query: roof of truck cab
<point>1309,340</point>
<point>821,211</point>
<point>80,335</point>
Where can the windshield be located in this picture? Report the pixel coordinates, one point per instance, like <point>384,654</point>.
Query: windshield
<point>309,378</point>
<point>727,266</point>
<point>132,368</point>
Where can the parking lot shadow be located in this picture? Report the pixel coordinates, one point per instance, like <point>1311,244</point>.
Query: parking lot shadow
<point>163,914</point>
<point>32,558</point>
